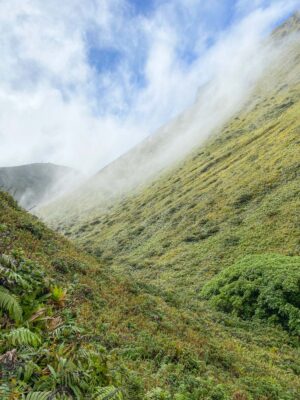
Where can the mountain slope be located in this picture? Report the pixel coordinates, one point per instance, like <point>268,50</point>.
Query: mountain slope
<point>154,344</point>
<point>181,287</point>
<point>173,143</point>
<point>33,183</point>
<point>237,195</point>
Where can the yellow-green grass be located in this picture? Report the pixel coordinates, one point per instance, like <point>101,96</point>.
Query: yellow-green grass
<point>190,351</point>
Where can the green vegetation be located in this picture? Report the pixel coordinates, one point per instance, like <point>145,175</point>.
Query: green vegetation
<point>262,286</point>
<point>237,195</point>
<point>80,323</point>
<point>43,355</point>
<point>190,290</point>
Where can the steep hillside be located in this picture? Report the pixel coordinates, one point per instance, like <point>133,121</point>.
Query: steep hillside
<point>192,282</point>
<point>86,332</point>
<point>164,150</point>
<point>237,195</point>
<point>31,184</point>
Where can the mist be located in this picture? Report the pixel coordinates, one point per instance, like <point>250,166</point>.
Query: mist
<point>238,85</point>
<point>59,106</point>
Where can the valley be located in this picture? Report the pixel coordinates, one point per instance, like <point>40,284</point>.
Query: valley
<point>184,285</point>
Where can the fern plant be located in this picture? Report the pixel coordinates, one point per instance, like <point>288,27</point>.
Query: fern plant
<point>23,337</point>
<point>10,303</point>
<point>109,393</point>
<point>5,391</point>
<point>38,396</point>
<point>9,272</point>
<point>58,295</point>
<point>52,359</point>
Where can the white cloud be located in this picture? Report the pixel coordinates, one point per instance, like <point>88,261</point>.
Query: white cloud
<point>54,106</point>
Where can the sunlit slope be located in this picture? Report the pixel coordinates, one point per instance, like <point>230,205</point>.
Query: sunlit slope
<point>151,340</point>
<point>239,194</point>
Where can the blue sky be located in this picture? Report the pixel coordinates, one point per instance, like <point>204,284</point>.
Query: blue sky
<point>198,24</point>
<point>146,7</point>
<point>88,80</point>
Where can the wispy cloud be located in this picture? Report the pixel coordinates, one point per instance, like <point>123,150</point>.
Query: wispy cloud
<point>82,82</point>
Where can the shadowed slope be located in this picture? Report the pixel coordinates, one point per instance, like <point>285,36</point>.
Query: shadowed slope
<point>34,183</point>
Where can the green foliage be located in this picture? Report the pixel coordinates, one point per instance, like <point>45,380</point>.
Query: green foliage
<point>58,294</point>
<point>22,337</point>
<point>5,391</point>
<point>45,361</point>
<point>133,317</point>
<point>264,286</point>
<point>10,303</point>
<point>38,396</point>
<point>235,196</point>
<point>64,266</point>
<point>109,393</point>
<point>158,394</point>
<point>34,227</point>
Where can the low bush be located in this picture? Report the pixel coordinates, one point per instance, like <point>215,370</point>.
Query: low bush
<point>264,286</point>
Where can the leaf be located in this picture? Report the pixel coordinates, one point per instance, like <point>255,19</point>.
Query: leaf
<point>5,391</point>
<point>37,314</point>
<point>38,396</point>
<point>23,336</point>
<point>109,393</point>
<point>52,370</point>
<point>10,303</point>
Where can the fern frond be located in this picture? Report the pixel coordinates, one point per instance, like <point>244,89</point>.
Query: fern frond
<point>38,396</point>
<point>109,393</point>
<point>10,303</point>
<point>65,330</point>
<point>11,277</point>
<point>28,369</point>
<point>23,336</point>
<point>5,391</point>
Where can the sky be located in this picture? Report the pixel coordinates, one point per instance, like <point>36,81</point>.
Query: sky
<point>83,82</point>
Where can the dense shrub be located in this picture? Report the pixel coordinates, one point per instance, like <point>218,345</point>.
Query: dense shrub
<point>264,286</point>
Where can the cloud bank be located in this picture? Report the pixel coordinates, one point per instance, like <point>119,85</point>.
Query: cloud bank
<point>82,82</point>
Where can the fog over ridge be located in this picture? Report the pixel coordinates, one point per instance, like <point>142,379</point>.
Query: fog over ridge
<point>50,112</point>
<point>270,66</point>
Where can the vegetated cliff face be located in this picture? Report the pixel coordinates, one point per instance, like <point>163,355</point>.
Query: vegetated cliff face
<point>32,184</point>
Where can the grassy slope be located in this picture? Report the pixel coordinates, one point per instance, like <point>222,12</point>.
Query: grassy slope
<point>182,350</point>
<point>237,195</point>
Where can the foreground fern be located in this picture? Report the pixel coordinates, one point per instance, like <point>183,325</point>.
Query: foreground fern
<point>45,358</point>
<point>10,304</point>
<point>109,393</point>
<point>23,337</point>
